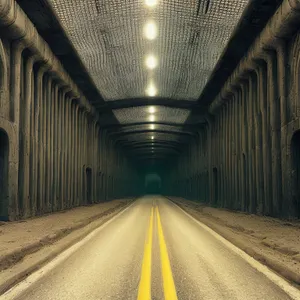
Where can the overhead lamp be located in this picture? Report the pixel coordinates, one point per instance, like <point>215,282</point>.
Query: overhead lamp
<point>152,137</point>
<point>152,118</point>
<point>152,127</point>
<point>151,62</point>
<point>151,90</point>
<point>152,110</point>
<point>151,3</point>
<point>150,30</point>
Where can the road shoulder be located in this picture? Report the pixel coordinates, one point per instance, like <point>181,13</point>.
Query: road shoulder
<point>275,243</point>
<point>27,245</point>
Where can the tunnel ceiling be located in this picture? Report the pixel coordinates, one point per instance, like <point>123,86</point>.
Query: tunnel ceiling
<point>115,38</point>
<point>147,66</point>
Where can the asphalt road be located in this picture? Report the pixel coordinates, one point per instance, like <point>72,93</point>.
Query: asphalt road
<point>152,247</point>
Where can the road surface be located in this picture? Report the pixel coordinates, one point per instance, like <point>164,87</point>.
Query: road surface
<point>150,249</point>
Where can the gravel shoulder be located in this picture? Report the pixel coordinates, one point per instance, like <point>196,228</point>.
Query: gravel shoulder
<point>18,239</point>
<point>273,242</point>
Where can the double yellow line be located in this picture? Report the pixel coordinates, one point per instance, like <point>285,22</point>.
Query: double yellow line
<point>144,292</point>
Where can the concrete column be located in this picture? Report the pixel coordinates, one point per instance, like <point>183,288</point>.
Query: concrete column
<point>63,151</point>
<point>79,155</point>
<point>275,133</point>
<point>239,151</point>
<point>48,206</point>
<point>258,145</point>
<point>251,163</point>
<point>32,154</point>
<point>235,163</point>
<point>59,149</point>
<point>244,147</point>
<point>231,151</point>
<point>25,140</point>
<point>67,158</point>
<point>55,148</point>
<point>73,155</point>
<point>282,65</point>
<point>227,159</point>
<point>76,158</point>
<point>51,146</point>
<point>209,153</point>
<point>266,165</point>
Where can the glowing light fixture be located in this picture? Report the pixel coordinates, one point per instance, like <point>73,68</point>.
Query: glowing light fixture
<point>152,127</point>
<point>152,137</point>
<point>151,90</point>
<point>152,118</point>
<point>150,30</point>
<point>152,110</point>
<point>151,62</point>
<point>151,3</point>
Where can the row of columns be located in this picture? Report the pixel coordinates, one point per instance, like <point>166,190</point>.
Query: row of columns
<point>63,157</point>
<point>246,159</point>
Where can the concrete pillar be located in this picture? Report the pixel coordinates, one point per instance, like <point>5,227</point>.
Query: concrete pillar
<point>275,133</point>
<point>266,164</point>
<point>259,180</point>
<point>25,140</point>
<point>282,65</point>
<point>47,205</point>
<point>244,177</point>
<point>251,163</point>
<point>76,158</point>
<point>55,148</point>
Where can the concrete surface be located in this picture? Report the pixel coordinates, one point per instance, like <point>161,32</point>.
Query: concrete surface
<point>108,264</point>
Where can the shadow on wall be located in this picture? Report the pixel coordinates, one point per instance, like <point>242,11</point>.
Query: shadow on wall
<point>4,148</point>
<point>153,183</point>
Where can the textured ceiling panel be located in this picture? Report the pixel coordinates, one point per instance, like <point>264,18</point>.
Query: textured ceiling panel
<point>146,127</point>
<point>109,37</point>
<point>154,136</point>
<point>146,114</point>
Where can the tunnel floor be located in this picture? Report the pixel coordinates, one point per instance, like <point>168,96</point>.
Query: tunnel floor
<point>115,263</point>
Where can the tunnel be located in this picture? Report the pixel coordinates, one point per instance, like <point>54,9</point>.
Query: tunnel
<point>90,109</point>
<point>149,149</point>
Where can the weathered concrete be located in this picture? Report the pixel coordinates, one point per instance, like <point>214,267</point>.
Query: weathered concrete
<point>50,138</point>
<point>251,150</point>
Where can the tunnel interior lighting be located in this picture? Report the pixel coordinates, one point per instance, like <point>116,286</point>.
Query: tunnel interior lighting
<point>151,90</point>
<point>151,3</point>
<point>152,118</point>
<point>152,110</point>
<point>151,62</point>
<point>152,137</point>
<point>150,30</point>
<point>152,127</point>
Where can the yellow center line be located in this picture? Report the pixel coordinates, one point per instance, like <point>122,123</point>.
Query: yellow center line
<point>168,282</point>
<point>144,292</point>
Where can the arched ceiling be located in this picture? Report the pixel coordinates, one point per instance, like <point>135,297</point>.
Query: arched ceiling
<point>150,67</point>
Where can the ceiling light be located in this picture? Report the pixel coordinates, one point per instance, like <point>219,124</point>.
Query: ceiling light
<point>152,137</point>
<point>151,90</point>
<point>152,118</point>
<point>150,30</point>
<point>151,3</point>
<point>151,62</point>
<point>152,127</point>
<point>151,109</point>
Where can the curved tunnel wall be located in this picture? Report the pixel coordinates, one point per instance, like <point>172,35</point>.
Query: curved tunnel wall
<point>247,157</point>
<point>53,153</point>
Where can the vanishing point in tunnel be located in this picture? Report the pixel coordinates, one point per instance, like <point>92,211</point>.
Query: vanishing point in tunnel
<point>197,100</point>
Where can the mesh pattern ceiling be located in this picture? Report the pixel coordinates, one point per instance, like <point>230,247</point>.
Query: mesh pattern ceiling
<point>145,114</point>
<point>159,127</point>
<point>156,136</point>
<point>109,37</point>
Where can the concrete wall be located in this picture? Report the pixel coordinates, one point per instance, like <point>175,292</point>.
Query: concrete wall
<point>53,154</point>
<point>247,157</point>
